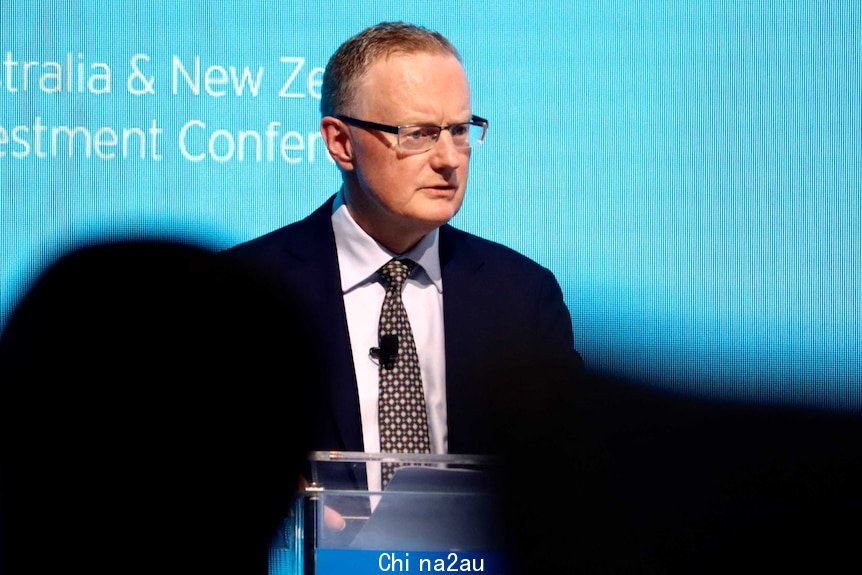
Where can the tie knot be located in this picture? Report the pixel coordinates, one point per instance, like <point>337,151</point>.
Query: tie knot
<point>396,271</point>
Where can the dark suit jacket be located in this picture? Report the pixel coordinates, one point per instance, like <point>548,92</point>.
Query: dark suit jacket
<point>500,308</point>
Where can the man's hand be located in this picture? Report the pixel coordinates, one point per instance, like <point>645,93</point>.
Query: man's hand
<point>332,519</point>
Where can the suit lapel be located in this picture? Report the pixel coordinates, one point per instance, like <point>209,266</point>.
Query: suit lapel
<point>314,268</point>
<point>462,295</point>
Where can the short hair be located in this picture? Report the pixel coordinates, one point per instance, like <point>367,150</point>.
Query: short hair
<point>353,58</point>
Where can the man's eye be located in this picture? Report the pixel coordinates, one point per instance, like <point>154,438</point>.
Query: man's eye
<point>416,133</point>
<point>459,130</point>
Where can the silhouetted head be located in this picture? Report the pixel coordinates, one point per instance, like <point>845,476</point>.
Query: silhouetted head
<point>153,409</point>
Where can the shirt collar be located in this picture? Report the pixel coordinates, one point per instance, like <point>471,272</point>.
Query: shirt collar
<point>360,256</point>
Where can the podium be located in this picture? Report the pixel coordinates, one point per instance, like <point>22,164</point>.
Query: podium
<point>438,513</point>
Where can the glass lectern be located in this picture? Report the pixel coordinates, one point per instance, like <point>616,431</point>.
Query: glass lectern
<point>438,513</point>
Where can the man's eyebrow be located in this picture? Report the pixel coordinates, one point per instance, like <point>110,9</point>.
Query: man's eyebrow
<point>435,124</point>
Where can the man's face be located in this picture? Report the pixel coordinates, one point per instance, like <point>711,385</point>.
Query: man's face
<point>396,196</point>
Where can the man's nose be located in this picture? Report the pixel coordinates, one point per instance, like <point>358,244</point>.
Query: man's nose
<point>445,154</point>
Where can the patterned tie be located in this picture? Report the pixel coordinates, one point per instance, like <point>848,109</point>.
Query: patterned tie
<point>402,416</point>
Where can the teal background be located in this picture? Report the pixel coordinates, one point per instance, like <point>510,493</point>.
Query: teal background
<point>690,171</point>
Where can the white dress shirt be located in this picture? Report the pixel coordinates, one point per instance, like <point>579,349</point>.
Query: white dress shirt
<point>359,258</point>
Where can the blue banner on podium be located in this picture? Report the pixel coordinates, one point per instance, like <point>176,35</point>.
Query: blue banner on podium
<point>365,562</point>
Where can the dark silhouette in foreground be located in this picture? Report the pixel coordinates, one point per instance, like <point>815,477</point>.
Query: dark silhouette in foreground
<point>618,477</point>
<point>152,415</point>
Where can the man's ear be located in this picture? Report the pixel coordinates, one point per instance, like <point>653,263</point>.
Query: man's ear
<point>337,140</point>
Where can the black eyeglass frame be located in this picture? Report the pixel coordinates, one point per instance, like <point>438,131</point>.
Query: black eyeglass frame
<point>473,121</point>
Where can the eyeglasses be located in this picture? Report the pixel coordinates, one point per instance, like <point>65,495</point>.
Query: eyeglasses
<point>421,137</point>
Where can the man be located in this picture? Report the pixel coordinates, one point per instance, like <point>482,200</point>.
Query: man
<point>398,122</point>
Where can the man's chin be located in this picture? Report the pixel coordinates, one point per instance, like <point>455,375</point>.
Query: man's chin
<point>441,207</point>
<point>435,218</point>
